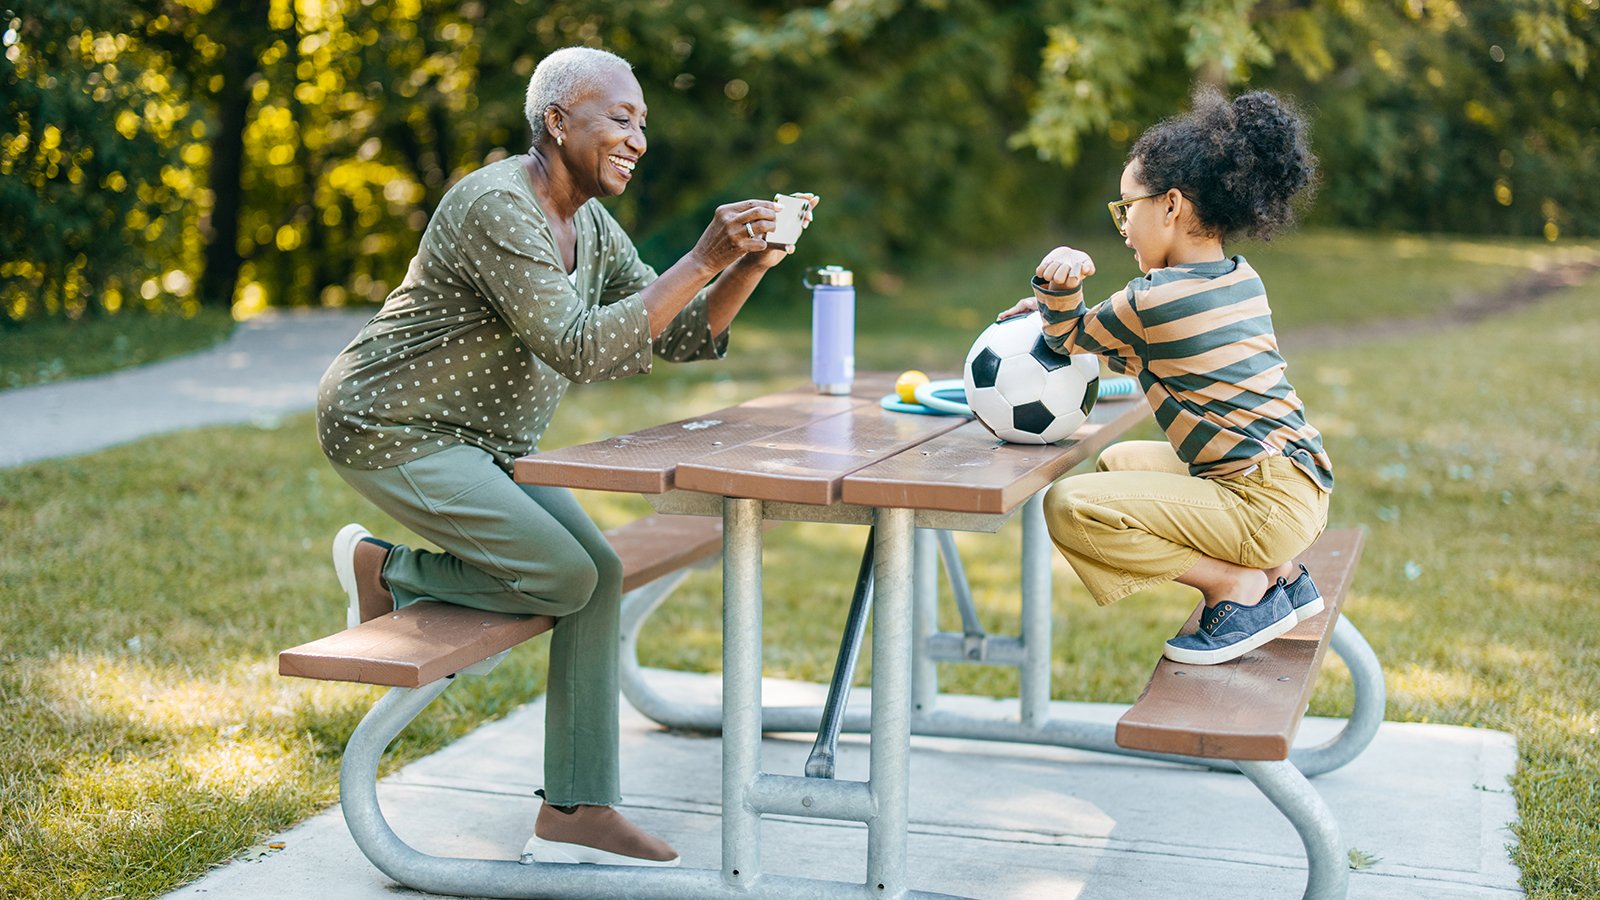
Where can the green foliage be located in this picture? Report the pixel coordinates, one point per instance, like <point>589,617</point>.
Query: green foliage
<point>367,114</point>
<point>289,151</point>
<point>1476,118</point>
<point>1429,114</point>
<point>94,188</point>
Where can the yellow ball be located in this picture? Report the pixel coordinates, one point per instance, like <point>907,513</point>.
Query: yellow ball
<point>906,385</point>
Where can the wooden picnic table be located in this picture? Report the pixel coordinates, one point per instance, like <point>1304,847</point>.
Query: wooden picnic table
<point>797,455</point>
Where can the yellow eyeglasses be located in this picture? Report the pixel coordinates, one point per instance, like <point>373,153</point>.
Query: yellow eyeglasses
<point>1119,210</point>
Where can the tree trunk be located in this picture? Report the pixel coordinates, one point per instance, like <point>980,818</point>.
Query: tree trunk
<point>222,258</point>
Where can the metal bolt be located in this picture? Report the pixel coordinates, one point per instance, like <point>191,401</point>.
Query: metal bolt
<point>806,802</point>
<point>1180,673</point>
<point>1284,678</point>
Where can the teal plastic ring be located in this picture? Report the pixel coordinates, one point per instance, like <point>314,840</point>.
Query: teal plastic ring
<point>928,395</point>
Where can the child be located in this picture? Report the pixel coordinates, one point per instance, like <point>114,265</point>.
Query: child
<point>1243,487</point>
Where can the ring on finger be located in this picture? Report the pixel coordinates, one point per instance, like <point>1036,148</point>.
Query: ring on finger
<point>749,229</point>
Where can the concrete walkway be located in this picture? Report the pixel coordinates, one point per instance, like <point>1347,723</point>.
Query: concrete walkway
<point>989,821</point>
<point>268,368</point>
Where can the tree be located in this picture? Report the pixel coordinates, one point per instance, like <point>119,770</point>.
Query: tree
<point>218,46</point>
<point>325,132</point>
<point>1430,115</point>
<point>94,172</point>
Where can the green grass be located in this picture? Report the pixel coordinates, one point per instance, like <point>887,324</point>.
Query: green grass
<point>144,736</point>
<point>54,349</point>
<point>1476,469</point>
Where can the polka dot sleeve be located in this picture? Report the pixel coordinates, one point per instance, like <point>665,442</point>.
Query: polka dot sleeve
<point>688,336</point>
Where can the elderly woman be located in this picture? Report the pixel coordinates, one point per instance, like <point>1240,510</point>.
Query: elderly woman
<point>522,284</point>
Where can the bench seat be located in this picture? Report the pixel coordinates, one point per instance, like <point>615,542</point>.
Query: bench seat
<point>1249,708</point>
<point>427,641</point>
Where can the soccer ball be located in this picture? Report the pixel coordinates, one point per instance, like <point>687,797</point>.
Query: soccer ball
<point>1023,391</point>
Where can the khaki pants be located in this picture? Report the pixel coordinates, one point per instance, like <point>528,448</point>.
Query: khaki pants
<point>1141,519</point>
<point>519,549</point>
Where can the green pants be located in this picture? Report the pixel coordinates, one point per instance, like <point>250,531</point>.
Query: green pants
<point>1141,519</point>
<point>518,549</point>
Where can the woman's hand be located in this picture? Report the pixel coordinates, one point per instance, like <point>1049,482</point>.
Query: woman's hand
<point>1064,268</point>
<point>736,230</point>
<point>763,260</point>
<point>733,244</point>
<point>1023,307</point>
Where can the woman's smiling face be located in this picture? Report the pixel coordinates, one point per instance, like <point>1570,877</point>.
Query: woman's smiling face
<point>602,135</point>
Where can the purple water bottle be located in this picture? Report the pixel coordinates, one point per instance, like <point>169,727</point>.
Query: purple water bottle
<point>833,328</point>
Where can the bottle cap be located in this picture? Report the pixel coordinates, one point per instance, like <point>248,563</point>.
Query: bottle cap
<point>832,275</point>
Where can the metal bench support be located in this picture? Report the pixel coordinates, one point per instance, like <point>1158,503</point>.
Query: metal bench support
<point>1328,868</point>
<point>826,749</point>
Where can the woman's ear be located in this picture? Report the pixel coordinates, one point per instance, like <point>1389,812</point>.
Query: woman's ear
<point>555,123</point>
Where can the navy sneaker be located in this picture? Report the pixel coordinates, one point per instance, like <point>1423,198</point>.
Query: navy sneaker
<point>1229,631</point>
<point>1303,595</point>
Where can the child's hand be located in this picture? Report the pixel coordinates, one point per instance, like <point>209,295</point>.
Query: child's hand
<point>1065,268</point>
<point>1023,307</point>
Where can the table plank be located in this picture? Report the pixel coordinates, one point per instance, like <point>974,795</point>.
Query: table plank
<point>808,464</point>
<point>968,470</point>
<point>644,461</point>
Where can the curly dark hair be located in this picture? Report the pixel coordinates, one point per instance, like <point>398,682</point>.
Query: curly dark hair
<point>1241,164</point>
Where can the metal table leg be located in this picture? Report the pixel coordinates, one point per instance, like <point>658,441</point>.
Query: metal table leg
<point>741,688</point>
<point>891,705</point>
<point>924,620</point>
<point>1036,613</point>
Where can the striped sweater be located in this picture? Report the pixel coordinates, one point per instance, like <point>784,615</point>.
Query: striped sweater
<point>1199,339</point>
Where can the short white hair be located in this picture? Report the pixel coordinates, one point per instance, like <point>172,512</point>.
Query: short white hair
<point>563,76</point>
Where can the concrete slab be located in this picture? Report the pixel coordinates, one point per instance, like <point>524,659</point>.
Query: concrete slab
<point>988,820</point>
<point>268,368</point>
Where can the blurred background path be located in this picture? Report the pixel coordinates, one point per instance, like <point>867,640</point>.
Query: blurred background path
<point>268,368</point>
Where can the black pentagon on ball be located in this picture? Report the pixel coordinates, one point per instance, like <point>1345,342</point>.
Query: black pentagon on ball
<point>1048,358</point>
<point>1032,418</point>
<point>1090,395</point>
<point>985,366</point>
